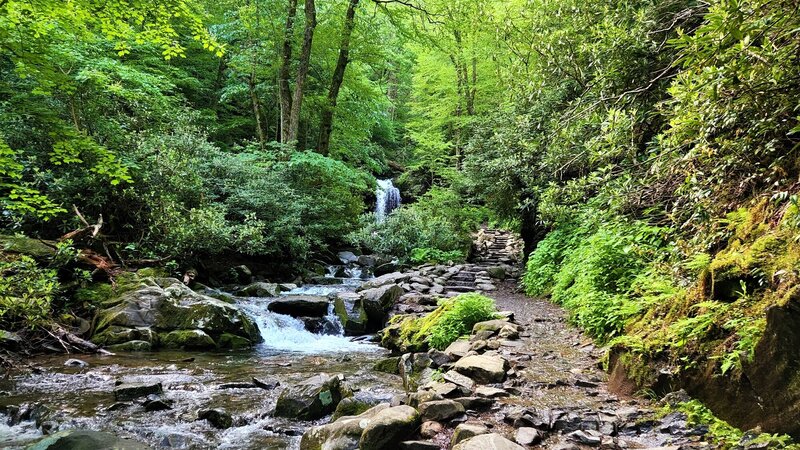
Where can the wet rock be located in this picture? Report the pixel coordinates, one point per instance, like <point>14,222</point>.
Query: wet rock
<point>440,410</point>
<point>351,406</point>
<point>416,371</point>
<point>167,305</point>
<point>430,429</point>
<point>218,418</point>
<point>342,434</point>
<point>286,287</point>
<point>377,302</point>
<point>300,306</point>
<point>187,339</point>
<point>586,437</point>
<point>383,280</point>
<point>85,439</point>
<point>10,340</point>
<point>347,257</point>
<point>237,385</point>
<point>131,346</point>
<point>528,436</point>
<point>76,363</point>
<point>131,391</point>
<point>482,368</point>
<point>349,307</point>
<point>156,403</point>
<point>492,441</point>
<point>389,427</point>
<point>465,431</point>
<point>266,384</point>
<point>174,441</point>
<point>313,398</point>
<point>419,445</point>
<point>116,406</point>
<point>232,341</point>
<point>387,365</point>
<point>259,289</point>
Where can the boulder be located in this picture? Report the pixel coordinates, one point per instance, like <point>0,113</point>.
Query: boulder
<point>383,280</point>
<point>497,272</point>
<point>259,289</point>
<point>165,305</point>
<point>416,371</point>
<point>378,301</point>
<point>484,369</point>
<point>430,429</point>
<point>216,417</point>
<point>440,410</point>
<point>10,340</point>
<point>460,380</point>
<point>350,310</point>
<point>389,427</point>
<point>342,434</point>
<point>492,441</point>
<point>130,391</point>
<point>465,431</point>
<point>347,257</point>
<point>419,445</point>
<point>490,392</point>
<point>187,340</point>
<point>131,346</point>
<point>85,440</point>
<point>388,365</point>
<point>313,398</point>
<point>300,306</point>
<point>528,436</point>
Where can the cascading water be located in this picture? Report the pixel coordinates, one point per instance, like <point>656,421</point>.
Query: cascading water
<point>388,198</point>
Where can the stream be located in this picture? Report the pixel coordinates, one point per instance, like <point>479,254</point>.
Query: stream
<point>81,397</point>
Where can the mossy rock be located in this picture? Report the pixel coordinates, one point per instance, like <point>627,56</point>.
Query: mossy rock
<point>26,246</point>
<point>232,341</point>
<point>119,335</point>
<point>187,339</point>
<point>388,365</point>
<point>350,406</point>
<point>131,346</point>
<point>350,310</point>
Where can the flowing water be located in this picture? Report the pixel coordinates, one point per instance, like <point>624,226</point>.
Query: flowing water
<point>387,199</point>
<point>81,397</point>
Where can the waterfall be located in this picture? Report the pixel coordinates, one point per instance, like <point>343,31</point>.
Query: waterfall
<point>388,198</point>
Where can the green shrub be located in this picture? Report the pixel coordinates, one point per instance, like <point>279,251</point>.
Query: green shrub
<point>462,313</point>
<point>26,292</point>
<point>435,256</point>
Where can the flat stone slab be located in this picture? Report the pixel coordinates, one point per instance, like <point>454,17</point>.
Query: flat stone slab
<point>301,306</point>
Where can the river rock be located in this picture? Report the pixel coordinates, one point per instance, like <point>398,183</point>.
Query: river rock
<point>313,398</point>
<point>342,434</point>
<point>430,429</point>
<point>165,305</point>
<point>349,307</point>
<point>482,368</point>
<point>84,440</point>
<point>218,418</point>
<point>490,392</point>
<point>72,362</point>
<point>259,289</point>
<point>131,346</point>
<point>187,340</point>
<point>131,391</point>
<point>300,306</point>
<point>475,403</point>
<point>388,365</point>
<point>378,301</point>
<point>440,410</point>
<point>416,371</point>
<point>497,272</point>
<point>383,280</point>
<point>460,380</point>
<point>492,441</point>
<point>389,427</point>
<point>347,257</point>
<point>491,325</point>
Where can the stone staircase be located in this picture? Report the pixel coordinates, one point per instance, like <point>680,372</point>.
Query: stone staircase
<point>497,247</point>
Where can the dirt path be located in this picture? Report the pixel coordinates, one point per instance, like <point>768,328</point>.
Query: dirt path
<point>559,390</point>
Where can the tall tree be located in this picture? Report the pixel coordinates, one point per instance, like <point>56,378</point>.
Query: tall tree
<point>326,123</point>
<point>284,90</point>
<point>302,71</point>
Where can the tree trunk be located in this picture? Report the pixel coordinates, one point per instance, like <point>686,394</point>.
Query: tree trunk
<point>302,70</point>
<point>251,84</point>
<point>284,91</point>
<point>326,123</point>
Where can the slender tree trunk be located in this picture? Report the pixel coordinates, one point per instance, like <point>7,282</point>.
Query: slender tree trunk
<point>302,70</point>
<point>285,92</point>
<point>251,84</point>
<point>326,123</point>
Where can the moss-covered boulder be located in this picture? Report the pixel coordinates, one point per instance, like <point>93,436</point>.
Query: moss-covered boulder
<point>342,434</point>
<point>313,398</point>
<point>350,310</point>
<point>131,346</point>
<point>23,245</point>
<point>187,340</point>
<point>389,427</point>
<point>179,316</point>
<point>85,439</point>
<point>259,289</point>
<point>233,341</point>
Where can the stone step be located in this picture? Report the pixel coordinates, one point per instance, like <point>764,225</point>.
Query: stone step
<point>460,288</point>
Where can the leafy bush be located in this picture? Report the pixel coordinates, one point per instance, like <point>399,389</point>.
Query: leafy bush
<point>460,315</point>
<point>26,292</point>
<point>435,256</point>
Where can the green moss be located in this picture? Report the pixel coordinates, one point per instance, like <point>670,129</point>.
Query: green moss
<point>232,341</point>
<point>387,365</point>
<point>187,339</point>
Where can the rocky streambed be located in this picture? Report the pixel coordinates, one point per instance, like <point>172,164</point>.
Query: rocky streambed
<point>523,380</point>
